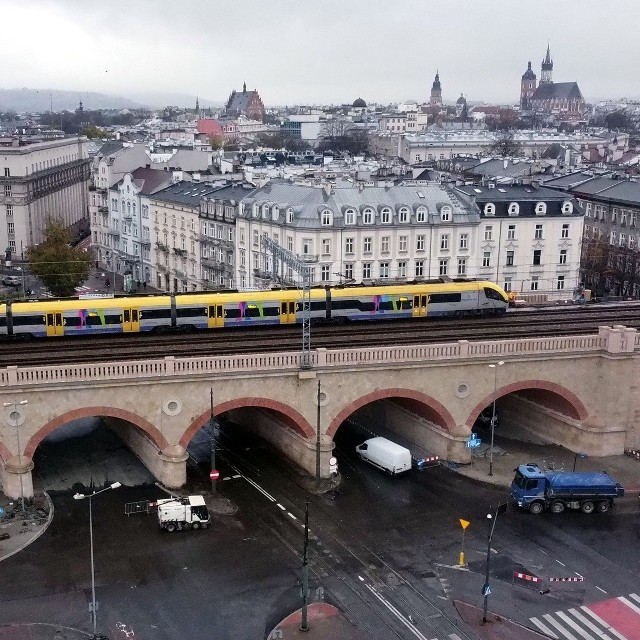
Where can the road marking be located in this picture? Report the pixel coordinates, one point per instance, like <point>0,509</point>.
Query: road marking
<point>635,597</point>
<point>283,508</point>
<point>601,622</point>
<point>599,589</point>
<point>567,620</point>
<point>587,623</point>
<point>561,563</point>
<point>543,627</point>
<point>291,515</point>
<point>549,618</point>
<point>238,475</point>
<point>579,576</point>
<point>629,604</point>
<point>259,488</point>
<point>396,613</point>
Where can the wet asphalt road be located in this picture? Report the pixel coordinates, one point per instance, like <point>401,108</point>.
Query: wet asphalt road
<point>382,549</point>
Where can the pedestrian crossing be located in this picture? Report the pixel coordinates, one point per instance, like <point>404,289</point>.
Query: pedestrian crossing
<point>613,619</point>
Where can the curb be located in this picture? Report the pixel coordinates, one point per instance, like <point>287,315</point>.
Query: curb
<point>46,625</point>
<point>44,528</point>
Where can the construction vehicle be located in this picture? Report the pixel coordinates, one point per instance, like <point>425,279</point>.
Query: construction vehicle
<point>177,514</point>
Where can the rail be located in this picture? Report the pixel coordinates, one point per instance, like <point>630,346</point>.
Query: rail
<point>611,341</point>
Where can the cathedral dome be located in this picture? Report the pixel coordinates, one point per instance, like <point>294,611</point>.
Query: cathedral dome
<point>359,103</point>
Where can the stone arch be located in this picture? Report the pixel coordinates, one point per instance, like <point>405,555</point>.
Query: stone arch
<point>554,396</point>
<point>436,412</point>
<point>91,412</point>
<point>292,418</point>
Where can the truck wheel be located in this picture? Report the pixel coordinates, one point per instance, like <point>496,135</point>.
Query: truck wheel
<point>536,508</point>
<point>587,507</point>
<point>557,507</point>
<point>170,527</point>
<point>603,506</point>
<point>195,526</point>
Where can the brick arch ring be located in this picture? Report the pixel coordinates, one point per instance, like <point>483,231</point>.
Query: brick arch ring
<point>96,412</point>
<point>292,418</point>
<point>577,410</point>
<point>438,413</point>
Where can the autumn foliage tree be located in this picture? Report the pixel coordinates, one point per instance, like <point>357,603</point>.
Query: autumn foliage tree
<point>61,268</point>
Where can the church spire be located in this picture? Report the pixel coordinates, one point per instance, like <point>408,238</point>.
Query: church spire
<point>197,105</point>
<point>547,68</point>
<point>244,87</point>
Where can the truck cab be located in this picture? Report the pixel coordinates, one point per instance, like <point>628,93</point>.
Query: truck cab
<point>528,485</point>
<point>176,514</point>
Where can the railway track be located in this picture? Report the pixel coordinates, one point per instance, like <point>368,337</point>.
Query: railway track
<point>515,324</point>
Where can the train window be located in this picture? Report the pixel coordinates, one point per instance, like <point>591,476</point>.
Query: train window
<point>233,313</point>
<point>157,314</point>
<point>366,306</point>
<point>25,320</point>
<point>492,294</point>
<point>441,298</point>
<point>190,312</point>
<point>93,320</point>
<point>271,311</point>
<point>3,321</point>
<point>344,303</point>
<point>252,311</point>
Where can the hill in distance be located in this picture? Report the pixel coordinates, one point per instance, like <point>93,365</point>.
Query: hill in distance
<point>39,100</point>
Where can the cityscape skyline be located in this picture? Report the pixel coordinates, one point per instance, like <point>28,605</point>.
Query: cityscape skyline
<point>329,54</point>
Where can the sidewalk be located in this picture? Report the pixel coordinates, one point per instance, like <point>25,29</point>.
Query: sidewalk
<point>325,622</point>
<point>41,631</point>
<point>17,529</point>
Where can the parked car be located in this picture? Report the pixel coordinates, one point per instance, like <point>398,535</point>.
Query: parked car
<point>12,281</point>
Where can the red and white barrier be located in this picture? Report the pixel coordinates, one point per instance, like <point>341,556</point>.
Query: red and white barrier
<point>526,577</point>
<point>572,579</point>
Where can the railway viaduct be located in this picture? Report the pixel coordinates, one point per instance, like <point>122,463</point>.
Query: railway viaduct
<point>578,391</point>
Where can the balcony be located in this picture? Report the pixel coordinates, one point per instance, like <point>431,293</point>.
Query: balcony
<point>180,252</point>
<point>103,209</point>
<point>114,232</point>
<point>160,246</point>
<point>308,257</point>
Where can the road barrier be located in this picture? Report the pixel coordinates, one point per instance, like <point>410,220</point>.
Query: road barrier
<point>526,580</point>
<point>633,453</point>
<point>571,579</point>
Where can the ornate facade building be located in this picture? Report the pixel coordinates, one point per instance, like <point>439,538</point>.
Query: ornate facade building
<point>436,92</point>
<point>245,103</point>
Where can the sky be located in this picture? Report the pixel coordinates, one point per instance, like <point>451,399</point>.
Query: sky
<point>318,51</point>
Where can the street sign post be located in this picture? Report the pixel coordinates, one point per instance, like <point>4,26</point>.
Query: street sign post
<point>215,474</point>
<point>464,524</point>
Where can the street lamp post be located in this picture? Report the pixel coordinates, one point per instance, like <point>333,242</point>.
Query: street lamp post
<point>486,589</point>
<point>493,412</point>
<point>15,415</point>
<point>318,440</point>
<point>81,496</point>
<point>213,445</point>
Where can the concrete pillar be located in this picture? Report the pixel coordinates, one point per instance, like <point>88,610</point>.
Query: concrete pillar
<point>16,478</point>
<point>171,469</point>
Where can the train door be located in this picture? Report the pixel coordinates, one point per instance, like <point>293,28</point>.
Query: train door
<point>130,320</point>
<point>216,315</point>
<point>55,323</point>
<point>287,312</point>
<point>419,305</point>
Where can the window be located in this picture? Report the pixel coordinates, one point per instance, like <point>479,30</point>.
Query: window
<point>565,231</point>
<point>290,243</point>
<point>326,218</point>
<point>419,268</point>
<point>510,258</point>
<point>385,215</point>
<point>613,239</point>
<point>486,258</point>
<point>537,254</point>
<point>402,243</point>
<point>403,214</point>
<point>348,245</point>
<point>367,216</point>
<point>275,212</point>
<point>307,246</point>
<point>420,242</point>
<point>11,228</point>
<point>538,232</point>
<point>9,211</point>
<point>534,283</point>
<point>488,233</point>
<point>541,208</point>
<point>443,267</point>
<point>445,213</point>
<point>632,241</point>
<point>464,241</point>
<point>325,273</point>
<point>560,282</point>
<point>348,271</point>
<point>7,172</point>
<point>384,244</point>
<point>462,266</point>
<point>7,189</point>
<point>256,238</point>
<point>444,242</point>
<point>265,211</point>
<point>421,214</point>
<point>514,209</point>
<point>289,215</point>
<point>366,245</point>
<point>326,247</point>
<point>384,269</point>
<point>563,256</point>
<point>614,215</point>
<point>511,232</point>
<point>366,270</point>
<point>632,218</point>
<point>507,284</point>
<point>489,209</point>
<point>350,216</point>
<point>567,207</point>
<point>623,240</point>
<point>402,269</point>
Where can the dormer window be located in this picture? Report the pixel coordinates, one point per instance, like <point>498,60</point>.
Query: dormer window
<point>489,209</point>
<point>367,216</point>
<point>541,208</point>
<point>350,216</point>
<point>289,215</point>
<point>445,213</point>
<point>567,207</point>
<point>275,212</point>
<point>326,218</point>
<point>385,215</point>
<point>514,209</point>
<point>265,211</point>
<point>256,210</point>
<point>421,214</point>
<point>403,214</point>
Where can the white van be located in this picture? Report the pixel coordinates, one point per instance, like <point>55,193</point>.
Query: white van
<point>385,455</point>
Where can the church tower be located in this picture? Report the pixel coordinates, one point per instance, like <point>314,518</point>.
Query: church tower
<point>436,92</point>
<point>547,69</point>
<point>527,88</point>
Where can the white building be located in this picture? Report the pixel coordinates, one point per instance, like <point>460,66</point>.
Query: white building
<point>40,181</point>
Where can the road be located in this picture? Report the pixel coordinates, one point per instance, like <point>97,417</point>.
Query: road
<point>383,549</point>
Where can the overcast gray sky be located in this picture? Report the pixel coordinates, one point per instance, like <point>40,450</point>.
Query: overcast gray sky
<point>328,51</point>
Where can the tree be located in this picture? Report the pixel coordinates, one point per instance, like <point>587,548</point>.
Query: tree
<point>505,145</point>
<point>91,131</point>
<point>217,142</point>
<point>60,267</point>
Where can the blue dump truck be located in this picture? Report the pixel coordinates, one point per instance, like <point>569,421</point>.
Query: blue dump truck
<point>588,491</point>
